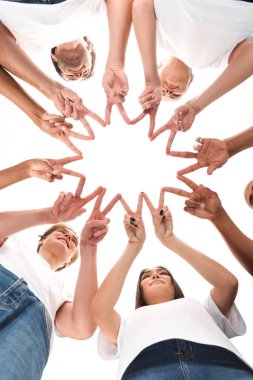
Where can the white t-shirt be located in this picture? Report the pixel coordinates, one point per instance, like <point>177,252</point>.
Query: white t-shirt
<point>35,270</point>
<point>183,318</point>
<point>43,26</point>
<point>203,33</point>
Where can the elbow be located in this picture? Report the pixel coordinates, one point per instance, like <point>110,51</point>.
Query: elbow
<point>233,284</point>
<point>86,332</point>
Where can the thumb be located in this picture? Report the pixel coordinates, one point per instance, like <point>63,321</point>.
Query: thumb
<point>212,167</point>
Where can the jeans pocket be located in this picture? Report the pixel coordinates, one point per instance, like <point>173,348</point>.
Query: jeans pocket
<point>12,289</point>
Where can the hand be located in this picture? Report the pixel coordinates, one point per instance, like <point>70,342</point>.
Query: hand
<point>212,153</point>
<point>152,115</point>
<point>67,102</point>
<point>133,222</point>
<point>170,125</point>
<point>69,206</point>
<point>184,116</point>
<point>57,127</point>
<point>115,84</point>
<point>50,169</point>
<point>97,225</point>
<point>202,202</point>
<point>162,219</point>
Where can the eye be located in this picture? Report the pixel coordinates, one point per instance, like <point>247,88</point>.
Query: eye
<point>144,276</point>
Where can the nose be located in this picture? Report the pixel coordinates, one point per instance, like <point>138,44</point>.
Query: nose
<point>155,275</point>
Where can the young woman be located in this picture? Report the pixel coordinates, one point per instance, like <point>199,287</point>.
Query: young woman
<point>196,35</point>
<point>169,336</point>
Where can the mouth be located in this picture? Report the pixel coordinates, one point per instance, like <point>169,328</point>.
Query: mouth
<point>65,241</point>
<point>157,281</point>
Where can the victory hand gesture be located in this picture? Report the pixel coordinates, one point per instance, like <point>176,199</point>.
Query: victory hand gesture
<point>115,84</point>
<point>69,206</point>
<point>211,153</point>
<point>133,222</point>
<point>202,202</point>
<point>97,225</point>
<point>162,219</point>
<point>50,169</point>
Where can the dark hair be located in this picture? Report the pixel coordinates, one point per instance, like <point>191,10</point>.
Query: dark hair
<point>50,231</point>
<point>93,59</point>
<point>139,299</point>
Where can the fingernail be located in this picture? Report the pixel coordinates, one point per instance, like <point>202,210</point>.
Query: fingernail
<point>132,219</point>
<point>161,212</point>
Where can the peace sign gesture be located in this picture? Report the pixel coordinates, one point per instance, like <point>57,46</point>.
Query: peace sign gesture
<point>69,206</point>
<point>96,227</point>
<point>202,202</point>
<point>133,222</point>
<point>50,169</point>
<point>161,216</point>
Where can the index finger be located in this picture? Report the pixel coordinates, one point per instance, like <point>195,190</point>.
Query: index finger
<point>170,141</point>
<point>139,205</point>
<point>99,200</point>
<point>138,118</point>
<point>161,199</point>
<point>126,207</point>
<point>188,182</point>
<point>123,113</point>
<point>183,154</point>
<point>151,123</point>
<point>72,172</point>
<point>149,203</point>
<point>177,191</point>
<point>80,186</point>
<point>94,116</point>
<point>108,111</point>
<point>62,136</point>
<point>111,204</point>
<point>67,160</point>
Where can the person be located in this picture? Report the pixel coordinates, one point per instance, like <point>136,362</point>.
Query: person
<point>54,125</point>
<point>47,169</point>
<point>33,299</point>
<point>229,43</point>
<point>169,336</point>
<point>205,203</point>
<point>72,53</point>
<point>214,153</point>
<point>16,61</point>
<point>115,82</point>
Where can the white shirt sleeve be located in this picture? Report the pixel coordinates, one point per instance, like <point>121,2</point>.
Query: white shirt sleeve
<point>232,325</point>
<point>108,350</point>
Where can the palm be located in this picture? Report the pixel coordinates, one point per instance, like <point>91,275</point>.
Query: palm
<point>184,117</point>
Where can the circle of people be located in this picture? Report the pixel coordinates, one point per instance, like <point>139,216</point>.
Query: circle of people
<point>32,300</point>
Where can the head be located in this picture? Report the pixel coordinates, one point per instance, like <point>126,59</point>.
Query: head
<point>74,60</point>
<point>156,285</point>
<point>248,194</point>
<point>59,246</point>
<point>175,77</point>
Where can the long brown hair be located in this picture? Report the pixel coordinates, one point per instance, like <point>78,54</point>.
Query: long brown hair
<point>50,231</point>
<point>139,299</point>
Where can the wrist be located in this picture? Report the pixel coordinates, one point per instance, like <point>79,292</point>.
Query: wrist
<point>193,105</point>
<point>24,169</point>
<point>135,245</point>
<point>229,146</point>
<point>219,217</point>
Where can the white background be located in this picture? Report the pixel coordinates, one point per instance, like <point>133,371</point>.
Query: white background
<point>122,159</point>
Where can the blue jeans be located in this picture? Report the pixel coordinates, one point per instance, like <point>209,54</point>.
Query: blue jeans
<point>178,359</point>
<point>25,330</point>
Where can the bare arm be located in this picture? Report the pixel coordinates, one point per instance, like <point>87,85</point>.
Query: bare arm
<point>224,283</point>
<point>239,142</point>
<point>75,319</point>
<point>108,293</point>
<point>240,68</point>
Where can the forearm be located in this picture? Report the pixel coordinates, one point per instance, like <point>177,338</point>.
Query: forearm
<point>239,142</point>
<point>15,60</point>
<point>239,69</point>
<point>240,245</point>
<point>209,269</point>
<point>110,290</point>
<point>144,22</point>
<point>12,222</point>
<point>86,288</point>
<point>119,14</point>
<point>16,94</point>
<point>14,174</point>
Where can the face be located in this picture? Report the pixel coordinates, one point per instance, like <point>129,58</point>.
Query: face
<point>175,79</point>
<point>248,193</point>
<point>74,59</point>
<point>157,286</point>
<point>62,244</point>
